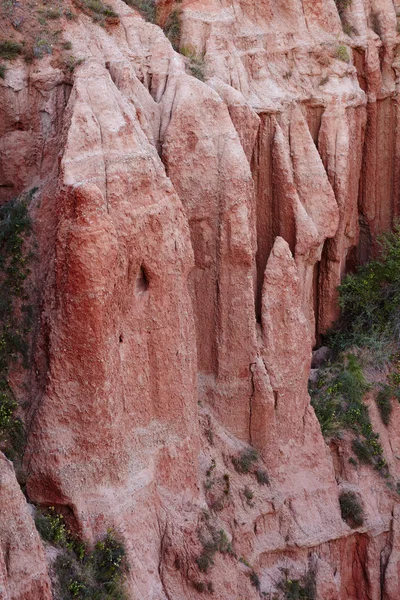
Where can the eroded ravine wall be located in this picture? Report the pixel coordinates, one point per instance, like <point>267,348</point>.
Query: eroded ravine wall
<point>191,238</point>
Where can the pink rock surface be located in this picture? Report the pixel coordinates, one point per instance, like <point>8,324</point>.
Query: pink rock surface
<point>23,568</point>
<point>191,236</point>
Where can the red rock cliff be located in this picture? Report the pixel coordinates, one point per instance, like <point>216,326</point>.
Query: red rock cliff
<point>190,237</point>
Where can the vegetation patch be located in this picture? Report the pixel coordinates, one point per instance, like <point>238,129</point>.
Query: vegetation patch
<point>262,476</point>
<point>70,63</point>
<point>342,53</point>
<point>172,28</point>
<point>81,574</point>
<point>300,589</point>
<point>364,341</point>
<point>15,316</point>
<point>10,50</point>
<point>244,463</point>
<point>51,13</point>
<point>384,403</point>
<point>351,509</point>
<point>147,8</point>
<point>196,62</point>
<point>213,540</point>
<point>255,580</point>
<point>248,494</point>
<point>2,71</point>
<point>341,5</point>
<point>98,10</point>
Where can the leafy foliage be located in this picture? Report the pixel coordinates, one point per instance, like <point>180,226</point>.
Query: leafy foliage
<point>51,526</point>
<point>81,575</point>
<point>338,403</point>
<point>2,71</point>
<point>15,315</point>
<point>369,326</point>
<point>370,298</point>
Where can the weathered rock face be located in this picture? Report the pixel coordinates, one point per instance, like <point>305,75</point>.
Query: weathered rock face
<point>23,568</point>
<point>191,236</point>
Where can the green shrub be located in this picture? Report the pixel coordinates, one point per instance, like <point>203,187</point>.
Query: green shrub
<point>147,8</point>
<point>384,403</point>
<point>362,452</point>
<point>96,575</point>
<point>337,398</point>
<point>351,509</point>
<point>51,526</point>
<point>98,9</point>
<point>213,541</point>
<point>10,50</point>
<point>245,461</point>
<point>370,325</point>
<point>370,298</point>
<point>342,53</point>
<point>15,226</point>
<point>262,477</point>
<point>299,589</point>
<point>205,560</point>
<point>248,494</point>
<point>2,71</point>
<point>70,63</point>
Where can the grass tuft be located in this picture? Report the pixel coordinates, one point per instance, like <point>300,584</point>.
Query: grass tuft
<point>9,50</point>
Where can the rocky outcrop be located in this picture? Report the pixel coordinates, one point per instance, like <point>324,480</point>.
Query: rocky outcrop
<point>190,239</point>
<point>23,568</point>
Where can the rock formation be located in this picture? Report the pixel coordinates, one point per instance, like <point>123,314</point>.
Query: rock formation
<point>190,236</point>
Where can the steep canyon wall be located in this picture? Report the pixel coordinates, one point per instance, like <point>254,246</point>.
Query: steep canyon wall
<point>190,237</point>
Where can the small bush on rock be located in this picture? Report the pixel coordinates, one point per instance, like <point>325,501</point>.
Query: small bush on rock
<point>10,50</point>
<point>300,589</point>
<point>213,540</point>
<point>81,575</point>
<point>342,53</point>
<point>245,461</point>
<point>351,509</point>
